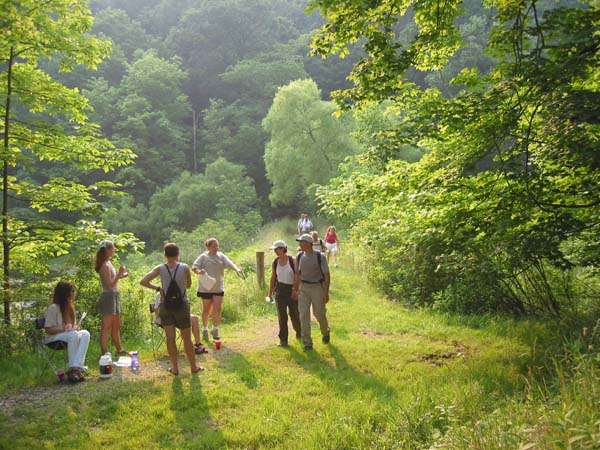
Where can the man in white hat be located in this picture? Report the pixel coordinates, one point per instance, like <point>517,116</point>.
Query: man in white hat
<point>311,287</point>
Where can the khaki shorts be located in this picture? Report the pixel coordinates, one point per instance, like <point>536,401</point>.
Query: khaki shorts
<point>109,303</point>
<point>180,318</point>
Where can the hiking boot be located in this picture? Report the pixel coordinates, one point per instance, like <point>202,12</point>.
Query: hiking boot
<point>326,338</point>
<point>205,334</point>
<point>215,334</point>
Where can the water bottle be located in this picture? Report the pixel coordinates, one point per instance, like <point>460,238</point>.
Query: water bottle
<point>135,361</point>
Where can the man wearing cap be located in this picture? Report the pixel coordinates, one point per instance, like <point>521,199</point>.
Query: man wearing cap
<point>311,287</point>
<point>282,282</point>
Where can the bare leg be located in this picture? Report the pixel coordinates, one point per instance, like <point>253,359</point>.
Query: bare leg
<point>195,328</point>
<point>188,348</point>
<point>172,347</point>
<point>217,309</point>
<point>207,305</point>
<point>108,326</point>
<point>116,330</point>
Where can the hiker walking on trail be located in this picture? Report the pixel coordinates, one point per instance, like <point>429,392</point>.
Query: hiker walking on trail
<point>210,266</point>
<point>174,313</point>
<point>332,244</point>
<point>318,244</point>
<point>109,301</point>
<point>306,225</point>
<point>311,288</point>
<point>282,282</point>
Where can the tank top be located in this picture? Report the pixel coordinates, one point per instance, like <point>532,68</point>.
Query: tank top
<point>113,273</point>
<point>180,278</point>
<point>285,274</point>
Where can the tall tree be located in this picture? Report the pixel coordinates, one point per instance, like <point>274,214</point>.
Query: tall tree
<point>307,142</point>
<point>43,120</point>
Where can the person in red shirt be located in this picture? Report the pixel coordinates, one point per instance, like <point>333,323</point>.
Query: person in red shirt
<point>332,244</point>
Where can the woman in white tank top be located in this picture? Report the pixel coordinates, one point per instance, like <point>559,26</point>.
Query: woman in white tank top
<point>281,284</point>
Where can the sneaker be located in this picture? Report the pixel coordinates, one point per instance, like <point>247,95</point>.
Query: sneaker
<point>307,348</point>
<point>326,338</point>
<point>282,344</point>
<point>215,334</point>
<point>123,352</point>
<point>205,334</point>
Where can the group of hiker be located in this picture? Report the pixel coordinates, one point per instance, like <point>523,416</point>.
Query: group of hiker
<point>297,283</point>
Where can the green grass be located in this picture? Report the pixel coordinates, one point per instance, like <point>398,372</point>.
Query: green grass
<point>391,378</point>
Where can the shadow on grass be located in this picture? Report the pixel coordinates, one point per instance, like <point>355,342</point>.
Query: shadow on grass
<point>236,363</point>
<point>192,415</point>
<point>340,376</point>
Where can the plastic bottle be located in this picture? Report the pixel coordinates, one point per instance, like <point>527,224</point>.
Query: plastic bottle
<point>135,361</point>
<point>106,368</point>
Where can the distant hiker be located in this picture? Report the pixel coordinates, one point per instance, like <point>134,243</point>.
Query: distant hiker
<point>318,244</point>
<point>332,244</point>
<point>211,266</point>
<point>311,287</point>
<point>299,226</point>
<point>60,325</point>
<point>174,317</point>
<point>109,300</point>
<point>282,283</point>
<point>306,226</point>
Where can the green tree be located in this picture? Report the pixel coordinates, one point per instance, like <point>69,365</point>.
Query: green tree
<point>43,120</point>
<point>149,113</point>
<point>307,142</point>
<point>222,193</point>
<point>502,205</point>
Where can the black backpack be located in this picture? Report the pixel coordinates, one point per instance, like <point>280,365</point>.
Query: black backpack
<point>173,296</point>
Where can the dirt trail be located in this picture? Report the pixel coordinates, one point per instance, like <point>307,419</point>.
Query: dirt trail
<point>261,336</point>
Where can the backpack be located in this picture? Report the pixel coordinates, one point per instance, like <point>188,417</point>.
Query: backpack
<point>319,256</point>
<point>173,296</point>
<point>291,262</point>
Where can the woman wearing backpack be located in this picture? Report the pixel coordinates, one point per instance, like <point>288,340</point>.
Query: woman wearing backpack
<point>282,282</point>
<point>212,263</point>
<point>177,316</point>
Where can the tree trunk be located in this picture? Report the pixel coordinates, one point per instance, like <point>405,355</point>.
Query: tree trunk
<point>6,294</point>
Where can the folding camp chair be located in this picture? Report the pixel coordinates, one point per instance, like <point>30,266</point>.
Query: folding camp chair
<point>48,354</point>
<point>158,333</point>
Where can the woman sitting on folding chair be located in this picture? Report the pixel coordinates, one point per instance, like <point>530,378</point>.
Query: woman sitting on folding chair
<point>60,326</point>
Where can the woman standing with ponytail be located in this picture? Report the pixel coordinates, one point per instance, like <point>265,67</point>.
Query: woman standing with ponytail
<point>109,300</point>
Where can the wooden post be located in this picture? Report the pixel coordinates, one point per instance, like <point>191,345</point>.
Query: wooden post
<point>260,269</point>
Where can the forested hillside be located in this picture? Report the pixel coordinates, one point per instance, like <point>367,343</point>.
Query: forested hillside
<point>458,144</point>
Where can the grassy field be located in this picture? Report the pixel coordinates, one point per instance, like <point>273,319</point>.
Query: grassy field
<point>390,378</point>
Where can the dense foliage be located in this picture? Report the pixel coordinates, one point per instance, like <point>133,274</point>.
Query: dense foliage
<point>49,148</point>
<point>501,213</point>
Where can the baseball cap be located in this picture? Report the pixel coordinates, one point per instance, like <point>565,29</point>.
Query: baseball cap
<point>105,244</point>
<point>278,244</point>
<point>305,237</point>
